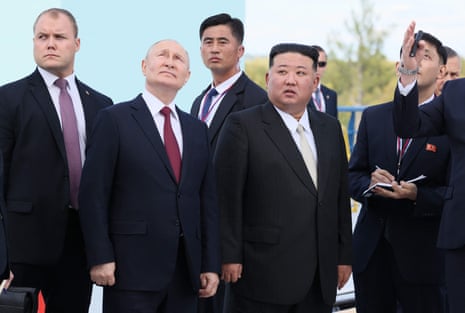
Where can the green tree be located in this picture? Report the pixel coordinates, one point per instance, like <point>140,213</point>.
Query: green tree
<point>358,70</point>
<point>256,69</point>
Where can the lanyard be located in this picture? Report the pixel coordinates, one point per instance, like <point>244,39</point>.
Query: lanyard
<point>218,98</point>
<point>402,145</point>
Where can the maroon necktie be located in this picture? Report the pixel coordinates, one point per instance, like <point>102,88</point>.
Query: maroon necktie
<point>171,145</point>
<point>71,137</point>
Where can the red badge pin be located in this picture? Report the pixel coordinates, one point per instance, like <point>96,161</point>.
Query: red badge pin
<point>431,147</point>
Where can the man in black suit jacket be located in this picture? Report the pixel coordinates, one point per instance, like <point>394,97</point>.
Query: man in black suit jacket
<point>221,47</point>
<point>396,262</point>
<point>445,115</point>
<point>286,227</point>
<point>151,225</point>
<point>46,246</point>
<point>221,39</point>
<point>5,273</point>
<point>323,99</point>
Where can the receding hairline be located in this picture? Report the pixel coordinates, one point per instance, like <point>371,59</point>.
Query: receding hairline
<point>55,13</point>
<point>167,40</point>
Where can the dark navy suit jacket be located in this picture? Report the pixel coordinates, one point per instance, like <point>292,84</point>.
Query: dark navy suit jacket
<point>330,101</point>
<point>445,115</point>
<point>133,210</point>
<point>4,269</point>
<point>411,227</point>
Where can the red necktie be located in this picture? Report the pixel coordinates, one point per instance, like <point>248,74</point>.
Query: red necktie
<point>71,137</point>
<point>171,145</point>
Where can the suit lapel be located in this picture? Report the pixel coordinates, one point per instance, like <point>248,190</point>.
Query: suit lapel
<point>323,147</point>
<point>144,119</point>
<point>416,146</point>
<point>90,110</point>
<point>281,137</point>
<point>188,131</point>
<point>41,95</point>
<point>196,105</point>
<point>387,143</point>
<point>226,105</point>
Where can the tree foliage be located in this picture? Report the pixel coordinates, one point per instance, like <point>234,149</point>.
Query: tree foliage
<point>357,68</point>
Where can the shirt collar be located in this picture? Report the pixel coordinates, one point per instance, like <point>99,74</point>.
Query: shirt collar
<point>227,83</point>
<point>156,105</point>
<point>50,78</point>
<point>291,122</point>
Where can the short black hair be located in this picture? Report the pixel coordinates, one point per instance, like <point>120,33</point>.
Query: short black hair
<point>438,44</point>
<point>235,24</point>
<point>305,50</point>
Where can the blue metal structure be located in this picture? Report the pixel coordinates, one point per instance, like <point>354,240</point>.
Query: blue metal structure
<point>352,124</point>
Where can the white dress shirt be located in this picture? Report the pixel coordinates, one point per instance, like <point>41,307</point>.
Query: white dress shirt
<point>155,105</point>
<point>222,89</point>
<point>73,91</point>
<point>291,123</point>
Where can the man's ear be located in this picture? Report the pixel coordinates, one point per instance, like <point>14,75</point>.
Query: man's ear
<point>442,72</point>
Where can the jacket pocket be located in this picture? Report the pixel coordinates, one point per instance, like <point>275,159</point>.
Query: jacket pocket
<point>128,228</point>
<point>19,206</point>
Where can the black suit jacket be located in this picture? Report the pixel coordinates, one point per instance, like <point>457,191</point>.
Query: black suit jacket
<point>444,115</point>
<point>243,94</point>
<point>411,227</point>
<point>330,101</point>
<point>4,268</point>
<point>133,210</point>
<point>35,167</point>
<point>273,220</point>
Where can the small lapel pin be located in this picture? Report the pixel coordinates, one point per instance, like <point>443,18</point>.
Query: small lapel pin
<point>87,92</point>
<point>431,147</point>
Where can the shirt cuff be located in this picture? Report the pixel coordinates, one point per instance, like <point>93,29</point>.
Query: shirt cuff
<point>405,90</point>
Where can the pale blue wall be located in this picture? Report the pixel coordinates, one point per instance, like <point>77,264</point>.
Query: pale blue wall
<point>115,36</point>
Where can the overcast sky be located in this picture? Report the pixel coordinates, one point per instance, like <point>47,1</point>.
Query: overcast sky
<point>272,21</point>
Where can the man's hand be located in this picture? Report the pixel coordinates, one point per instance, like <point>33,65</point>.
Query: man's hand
<point>103,274</point>
<point>406,61</point>
<point>231,272</point>
<point>343,275</point>
<point>381,176</point>
<point>208,284</point>
<point>403,190</point>
<point>7,282</point>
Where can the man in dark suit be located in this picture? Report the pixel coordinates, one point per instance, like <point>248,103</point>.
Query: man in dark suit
<point>323,98</point>
<point>396,262</point>
<point>282,185</point>
<point>444,115</point>
<point>5,274</point>
<point>42,165</point>
<point>221,47</point>
<point>148,197</point>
